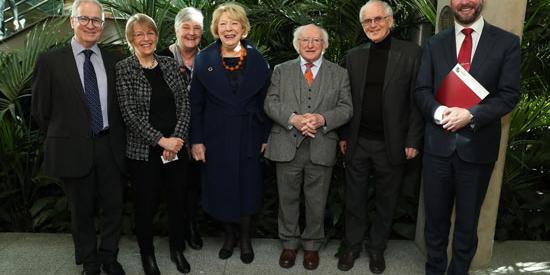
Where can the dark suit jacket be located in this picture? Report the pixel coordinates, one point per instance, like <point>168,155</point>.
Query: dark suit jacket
<point>496,66</point>
<point>403,125</point>
<point>59,106</point>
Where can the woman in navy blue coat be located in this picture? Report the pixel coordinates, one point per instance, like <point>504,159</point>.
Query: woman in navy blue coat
<point>228,126</point>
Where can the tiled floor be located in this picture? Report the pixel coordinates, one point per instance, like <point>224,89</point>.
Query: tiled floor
<point>25,253</point>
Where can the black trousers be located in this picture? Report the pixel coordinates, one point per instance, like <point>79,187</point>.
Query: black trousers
<point>149,180</point>
<point>192,192</point>
<point>448,181</point>
<point>102,188</point>
<point>370,159</point>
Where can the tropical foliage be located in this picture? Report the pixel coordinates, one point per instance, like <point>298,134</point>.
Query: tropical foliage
<point>31,202</point>
<point>524,210</point>
<point>28,200</point>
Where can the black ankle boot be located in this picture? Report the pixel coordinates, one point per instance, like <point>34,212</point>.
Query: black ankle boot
<point>149,263</point>
<point>229,242</point>
<point>178,258</point>
<point>247,253</point>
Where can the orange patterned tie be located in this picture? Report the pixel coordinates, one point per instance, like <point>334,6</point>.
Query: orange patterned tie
<point>308,74</point>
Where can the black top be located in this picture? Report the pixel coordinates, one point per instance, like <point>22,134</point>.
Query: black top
<point>162,109</point>
<point>234,76</point>
<point>372,109</point>
<point>184,70</point>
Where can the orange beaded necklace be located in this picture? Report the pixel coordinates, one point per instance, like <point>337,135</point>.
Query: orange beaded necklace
<point>242,55</point>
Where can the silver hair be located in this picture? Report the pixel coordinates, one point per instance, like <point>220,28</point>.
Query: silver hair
<point>387,8</point>
<point>298,32</point>
<point>76,4</point>
<point>188,14</point>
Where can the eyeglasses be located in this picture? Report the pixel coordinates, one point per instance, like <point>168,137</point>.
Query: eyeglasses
<point>140,35</point>
<point>84,20</point>
<point>314,41</point>
<point>376,20</point>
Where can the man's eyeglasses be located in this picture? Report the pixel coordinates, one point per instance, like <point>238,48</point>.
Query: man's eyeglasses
<point>85,20</point>
<point>306,41</point>
<point>376,20</point>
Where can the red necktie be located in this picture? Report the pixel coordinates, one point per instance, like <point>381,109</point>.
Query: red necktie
<point>465,53</point>
<point>308,74</point>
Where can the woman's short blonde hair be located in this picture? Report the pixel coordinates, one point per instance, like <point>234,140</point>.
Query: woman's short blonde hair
<point>235,12</point>
<point>140,19</point>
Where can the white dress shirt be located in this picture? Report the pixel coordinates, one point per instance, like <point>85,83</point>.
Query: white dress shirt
<point>477,26</point>
<point>101,75</point>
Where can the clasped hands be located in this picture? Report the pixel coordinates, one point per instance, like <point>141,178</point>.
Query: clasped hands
<point>307,123</point>
<point>410,152</point>
<point>455,118</point>
<point>198,151</point>
<point>172,146</point>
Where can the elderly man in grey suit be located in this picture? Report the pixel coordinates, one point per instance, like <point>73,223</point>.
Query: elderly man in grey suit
<point>309,98</point>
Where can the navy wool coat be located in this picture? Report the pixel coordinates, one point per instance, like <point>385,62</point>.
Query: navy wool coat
<point>232,126</point>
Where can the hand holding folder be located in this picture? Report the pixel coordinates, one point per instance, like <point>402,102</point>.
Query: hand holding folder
<point>460,89</point>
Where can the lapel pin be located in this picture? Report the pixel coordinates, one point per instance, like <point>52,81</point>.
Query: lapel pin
<point>210,69</point>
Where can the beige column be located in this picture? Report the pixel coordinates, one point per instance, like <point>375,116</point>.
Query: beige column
<point>508,15</point>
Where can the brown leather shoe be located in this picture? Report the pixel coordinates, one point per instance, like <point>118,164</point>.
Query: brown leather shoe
<point>311,259</point>
<point>287,258</point>
<point>346,260</point>
<point>377,263</point>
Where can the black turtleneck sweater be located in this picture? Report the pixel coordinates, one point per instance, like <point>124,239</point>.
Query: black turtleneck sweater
<point>372,117</point>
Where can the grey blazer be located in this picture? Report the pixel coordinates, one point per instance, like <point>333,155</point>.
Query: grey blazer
<point>289,93</point>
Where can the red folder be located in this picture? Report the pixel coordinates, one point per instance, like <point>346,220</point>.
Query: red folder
<point>460,89</point>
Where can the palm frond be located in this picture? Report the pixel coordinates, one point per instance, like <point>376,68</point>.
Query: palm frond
<point>17,67</point>
<point>426,9</point>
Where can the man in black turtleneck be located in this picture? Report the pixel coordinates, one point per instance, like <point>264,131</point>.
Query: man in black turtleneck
<point>385,131</point>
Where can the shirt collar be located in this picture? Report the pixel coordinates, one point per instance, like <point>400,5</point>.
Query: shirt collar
<point>317,63</point>
<point>477,26</point>
<point>77,48</point>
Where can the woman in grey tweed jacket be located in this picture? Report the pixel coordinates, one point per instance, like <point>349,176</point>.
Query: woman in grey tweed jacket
<point>155,107</point>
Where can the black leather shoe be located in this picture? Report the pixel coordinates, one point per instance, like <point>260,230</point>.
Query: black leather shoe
<point>193,237</point>
<point>247,253</point>
<point>178,258</point>
<point>227,249</point>
<point>91,272</point>
<point>91,269</point>
<point>113,268</point>
<point>377,263</point>
<point>225,253</point>
<point>347,260</point>
<point>150,266</point>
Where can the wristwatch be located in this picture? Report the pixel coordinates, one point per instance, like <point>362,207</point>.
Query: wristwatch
<point>472,122</point>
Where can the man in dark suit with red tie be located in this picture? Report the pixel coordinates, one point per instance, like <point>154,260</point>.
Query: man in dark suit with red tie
<point>461,144</point>
<point>74,102</point>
